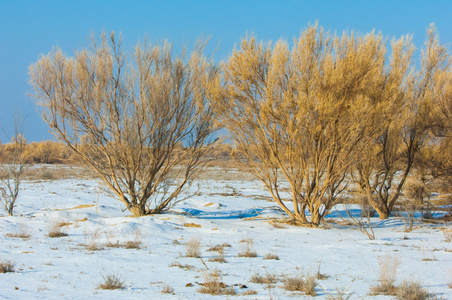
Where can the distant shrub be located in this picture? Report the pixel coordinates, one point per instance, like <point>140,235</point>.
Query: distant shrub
<point>247,249</point>
<point>411,290</point>
<point>111,282</point>
<point>6,266</point>
<point>193,247</point>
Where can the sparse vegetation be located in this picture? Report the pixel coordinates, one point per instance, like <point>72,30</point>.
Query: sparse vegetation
<point>388,270</point>
<point>213,286</point>
<point>7,266</point>
<point>181,266</point>
<point>411,290</point>
<point>193,247</point>
<point>247,248</point>
<point>271,256</point>
<point>264,279</point>
<point>22,232</point>
<point>56,230</point>
<point>167,289</point>
<point>111,282</point>
<point>300,283</point>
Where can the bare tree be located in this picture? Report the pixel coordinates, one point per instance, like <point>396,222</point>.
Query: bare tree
<point>303,115</point>
<point>140,121</point>
<point>13,166</point>
<point>393,151</point>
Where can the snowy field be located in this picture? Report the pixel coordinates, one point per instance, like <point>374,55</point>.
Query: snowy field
<point>232,213</point>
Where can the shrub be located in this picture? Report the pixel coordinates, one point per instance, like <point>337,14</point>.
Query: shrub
<point>271,256</point>
<point>411,290</point>
<point>22,232</point>
<point>112,282</point>
<point>167,289</point>
<point>213,286</point>
<point>55,230</point>
<point>193,247</point>
<point>299,283</point>
<point>247,249</point>
<point>7,266</point>
<point>388,269</point>
<point>92,237</point>
<point>267,279</point>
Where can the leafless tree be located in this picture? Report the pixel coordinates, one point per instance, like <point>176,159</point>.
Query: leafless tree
<point>14,166</point>
<point>140,121</point>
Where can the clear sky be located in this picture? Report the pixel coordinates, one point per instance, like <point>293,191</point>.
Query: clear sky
<point>31,27</point>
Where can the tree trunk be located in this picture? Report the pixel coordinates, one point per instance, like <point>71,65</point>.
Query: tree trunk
<point>137,210</point>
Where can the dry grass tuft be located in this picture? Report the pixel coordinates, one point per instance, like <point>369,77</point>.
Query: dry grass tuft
<point>271,256</point>
<point>247,249</point>
<point>192,225</point>
<point>213,286</point>
<point>7,266</point>
<point>193,247</point>
<point>55,230</point>
<point>340,294</point>
<point>248,293</point>
<point>181,266</point>
<point>411,290</point>
<point>388,269</point>
<point>167,289</point>
<point>112,282</point>
<point>92,237</point>
<point>22,232</point>
<point>267,279</point>
<point>299,283</point>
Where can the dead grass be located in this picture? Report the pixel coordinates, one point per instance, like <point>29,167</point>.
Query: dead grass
<point>264,279</point>
<point>247,249</point>
<point>388,269</point>
<point>271,256</point>
<point>411,290</point>
<point>55,230</point>
<point>300,283</point>
<point>213,286</point>
<point>92,238</point>
<point>112,282</point>
<point>193,247</point>
<point>248,293</point>
<point>167,289</point>
<point>181,266</point>
<point>340,294</point>
<point>192,225</point>
<point>447,232</point>
<point>7,266</point>
<point>22,232</point>
<point>219,248</point>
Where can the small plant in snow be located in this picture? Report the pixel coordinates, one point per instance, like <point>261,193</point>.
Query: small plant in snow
<point>213,286</point>
<point>167,289</point>
<point>193,247</point>
<point>7,266</point>
<point>247,249</point>
<point>55,230</point>
<point>111,282</point>
<point>22,232</point>
<point>388,269</point>
<point>271,256</point>
<point>300,283</point>
<point>411,290</point>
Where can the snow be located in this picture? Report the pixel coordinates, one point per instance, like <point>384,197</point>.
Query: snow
<point>227,211</point>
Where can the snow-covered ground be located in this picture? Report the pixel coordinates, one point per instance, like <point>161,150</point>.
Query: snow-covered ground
<point>224,212</point>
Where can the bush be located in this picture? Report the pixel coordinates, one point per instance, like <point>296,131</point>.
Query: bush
<point>7,266</point>
<point>193,247</point>
<point>411,290</point>
<point>112,282</point>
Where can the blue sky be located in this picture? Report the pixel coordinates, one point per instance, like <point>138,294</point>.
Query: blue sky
<point>29,28</point>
